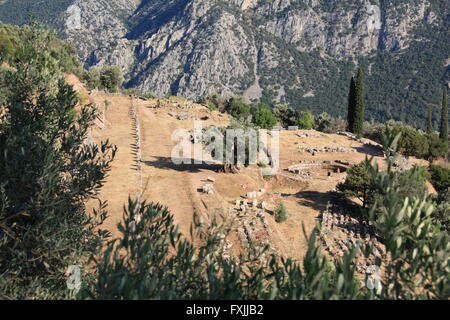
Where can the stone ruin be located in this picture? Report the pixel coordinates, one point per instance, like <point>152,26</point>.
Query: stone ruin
<point>347,134</point>
<point>307,168</point>
<point>401,162</point>
<point>164,103</point>
<point>364,141</point>
<point>208,189</point>
<point>253,227</point>
<point>327,149</point>
<point>183,116</point>
<point>307,135</point>
<point>341,231</point>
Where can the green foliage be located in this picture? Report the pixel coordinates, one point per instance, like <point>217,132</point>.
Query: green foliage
<point>430,121</point>
<point>356,104</point>
<point>359,183</point>
<point>362,183</point>
<point>238,108</point>
<point>281,213</point>
<point>287,115</point>
<point>419,251</point>
<point>443,130</point>
<point>351,112</point>
<point>141,265</point>
<point>263,116</point>
<point>359,104</point>
<point>152,260</point>
<point>328,124</point>
<point>111,78</point>
<point>91,78</point>
<point>290,117</point>
<point>402,82</point>
<point>389,140</point>
<point>7,44</point>
<point>215,102</point>
<point>305,120</point>
<point>442,213</point>
<point>18,11</point>
<point>436,147</point>
<point>413,143</point>
<point>47,172</point>
<point>63,53</point>
<point>440,177</point>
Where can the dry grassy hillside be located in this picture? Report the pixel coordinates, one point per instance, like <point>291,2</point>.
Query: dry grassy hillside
<point>142,131</point>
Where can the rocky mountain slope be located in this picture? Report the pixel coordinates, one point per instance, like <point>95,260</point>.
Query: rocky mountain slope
<point>302,52</point>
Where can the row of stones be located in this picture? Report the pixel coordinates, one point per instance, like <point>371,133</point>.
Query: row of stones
<point>326,149</point>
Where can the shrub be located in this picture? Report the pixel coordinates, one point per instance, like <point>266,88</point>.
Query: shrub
<point>440,177</point>
<point>111,78</point>
<point>286,115</point>
<point>437,147</point>
<point>263,116</point>
<point>281,213</point>
<point>413,143</point>
<point>305,120</point>
<point>238,108</point>
<point>325,123</point>
<point>91,78</point>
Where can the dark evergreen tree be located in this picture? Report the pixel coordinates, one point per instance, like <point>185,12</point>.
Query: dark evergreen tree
<point>359,104</point>
<point>430,121</point>
<point>443,132</point>
<point>351,106</point>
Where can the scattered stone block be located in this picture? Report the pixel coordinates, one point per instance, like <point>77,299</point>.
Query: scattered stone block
<point>264,205</point>
<point>208,188</point>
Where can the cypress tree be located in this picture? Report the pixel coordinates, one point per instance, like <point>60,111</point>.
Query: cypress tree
<point>430,121</point>
<point>359,104</point>
<point>443,132</point>
<point>351,106</point>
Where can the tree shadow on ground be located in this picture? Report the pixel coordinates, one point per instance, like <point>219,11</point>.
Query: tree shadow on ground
<point>316,200</point>
<point>171,164</point>
<point>370,150</point>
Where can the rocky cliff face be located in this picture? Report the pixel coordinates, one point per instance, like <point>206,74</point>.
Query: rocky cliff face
<point>297,51</point>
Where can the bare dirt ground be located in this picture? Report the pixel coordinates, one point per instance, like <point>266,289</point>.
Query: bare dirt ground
<point>178,186</point>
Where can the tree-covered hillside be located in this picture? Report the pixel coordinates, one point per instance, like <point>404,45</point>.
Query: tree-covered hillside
<point>19,11</point>
<point>294,51</point>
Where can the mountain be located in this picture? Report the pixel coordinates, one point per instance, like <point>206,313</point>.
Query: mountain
<point>299,52</point>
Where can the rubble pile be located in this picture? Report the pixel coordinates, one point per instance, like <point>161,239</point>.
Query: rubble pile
<point>340,232</point>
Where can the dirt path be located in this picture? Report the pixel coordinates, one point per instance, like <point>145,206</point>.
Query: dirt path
<point>163,181</point>
<point>123,177</point>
